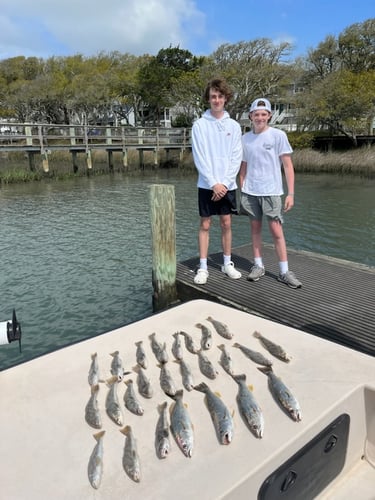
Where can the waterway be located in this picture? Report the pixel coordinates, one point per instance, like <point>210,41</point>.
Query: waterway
<point>76,254</point>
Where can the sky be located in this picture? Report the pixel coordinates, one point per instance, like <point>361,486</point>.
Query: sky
<point>46,28</point>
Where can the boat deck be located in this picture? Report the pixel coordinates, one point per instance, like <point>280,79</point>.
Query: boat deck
<point>335,301</point>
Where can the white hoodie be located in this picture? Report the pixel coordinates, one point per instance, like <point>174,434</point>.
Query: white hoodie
<point>217,150</point>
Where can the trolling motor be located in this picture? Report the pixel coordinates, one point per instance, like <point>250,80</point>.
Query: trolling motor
<point>10,331</point>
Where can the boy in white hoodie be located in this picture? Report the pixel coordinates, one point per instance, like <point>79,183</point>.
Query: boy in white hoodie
<point>217,153</point>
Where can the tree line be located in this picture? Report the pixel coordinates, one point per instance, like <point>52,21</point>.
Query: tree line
<point>331,88</point>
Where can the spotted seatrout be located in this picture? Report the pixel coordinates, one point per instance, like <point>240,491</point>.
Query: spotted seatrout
<point>181,426</point>
<point>206,338</point>
<point>117,368</point>
<point>131,400</point>
<point>220,415</point>
<point>255,356</point>
<point>112,404</point>
<point>206,367</point>
<point>177,346</point>
<point>166,381</point>
<point>141,355</point>
<point>95,466</point>
<point>94,373</point>
<point>221,328</point>
<point>130,458</point>
<point>226,360</point>
<point>160,350</point>
<point>189,343</point>
<point>283,394</point>
<point>274,349</point>
<point>186,374</point>
<point>92,412</point>
<point>162,443</point>
<point>144,384</point>
<point>249,409</point>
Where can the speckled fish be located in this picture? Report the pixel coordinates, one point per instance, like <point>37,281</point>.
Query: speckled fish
<point>95,465</point>
<point>206,367</point>
<point>274,349</point>
<point>220,415</point>
<point>141,355</point>
<point>249,409</point>
<point>226,360</point>
<point>94,373</point>
<point>162,442</point>
<point>177,346</point>
<point>131,400</point>
<point>186,374</point>
<point>112,404</point>
<point>189,343</point>
<point>130,458</point>
<point>160,350</point>
<point>255,356</point>
<point>221,328</point>
<point>206,339</point>
<point>283,395</point>
<point>117,368</point>
<point>181,426</point>
<point>92,412</point>
<point>166,381</point>
<point>144,384</point>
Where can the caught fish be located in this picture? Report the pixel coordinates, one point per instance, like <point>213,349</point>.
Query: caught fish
<point>221,328</point>
<point>181,426</point>
<point>249,408</point>
<point>141,355</point>
<point>274,349</point>
<point>160,350</point>
<point>95,466</point>
<point>226,360</point>
<point>112,404</point>
<point>177,346</point>
<point>189,343</point>
<point>162,443</point>
<point>186,374</point>
<point>131,400</point>
<point>92,413</point>
<point>220,415</point>
<point>130,458</point>
<point>94,374</point>
<point>206,367</point>
<point>283,394</point>
<point>206,339</point>
<point>255,356</point>
<point>117,368</point>
<point>166,381</point>
<point>144,384</point>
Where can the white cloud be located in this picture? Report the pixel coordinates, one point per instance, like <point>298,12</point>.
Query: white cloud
<point>43,28</point>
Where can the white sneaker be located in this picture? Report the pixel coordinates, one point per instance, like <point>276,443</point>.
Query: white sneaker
<point>201,277</point>
<point>231,271</point>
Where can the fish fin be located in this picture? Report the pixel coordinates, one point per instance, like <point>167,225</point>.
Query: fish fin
<point>217,394</point>
<point>94,388</point>
<point>250,387</point>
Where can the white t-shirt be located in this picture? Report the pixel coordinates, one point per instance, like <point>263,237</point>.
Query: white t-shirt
<point>262,154</point>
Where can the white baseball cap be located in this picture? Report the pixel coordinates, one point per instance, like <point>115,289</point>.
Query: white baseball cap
<point>260,103</point>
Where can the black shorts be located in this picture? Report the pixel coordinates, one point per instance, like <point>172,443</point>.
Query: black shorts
<point>227,205</point>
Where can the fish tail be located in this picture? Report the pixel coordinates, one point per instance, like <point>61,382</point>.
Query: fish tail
<point>137,368</point>
<point>98,435</point>
<point>112,380</point>
<point>257,335</point>
<point>128,382</point>
<point>162,406</point>
<point>94,355</point>
<point>202,387</point>
<point>240,377</point>
<point>265,369</point>
<point>114,353</point>
<point>236,344</point>
<point>139,343</point>
<point>221,347</point>
<point>152,335</point>
<point>198,325</point>
<point>125,430</point>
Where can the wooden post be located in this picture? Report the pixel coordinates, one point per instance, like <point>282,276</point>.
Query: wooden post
<point>125,158</point>
<point>74,161</point>
<point>163,231</point>
<point>88,159</point>
<point>110,160</point>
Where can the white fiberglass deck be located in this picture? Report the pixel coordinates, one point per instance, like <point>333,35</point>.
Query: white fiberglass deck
<point>46,442</point>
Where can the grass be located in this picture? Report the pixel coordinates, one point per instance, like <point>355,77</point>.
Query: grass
<point>15,168</point>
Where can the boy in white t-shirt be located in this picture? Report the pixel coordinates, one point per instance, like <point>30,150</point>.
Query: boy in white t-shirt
<point>265,150</point>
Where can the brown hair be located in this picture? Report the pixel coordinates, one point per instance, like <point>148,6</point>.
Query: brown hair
<point>220,85</point>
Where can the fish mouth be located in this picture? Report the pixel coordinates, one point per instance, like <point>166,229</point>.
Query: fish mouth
<point>226,438</point>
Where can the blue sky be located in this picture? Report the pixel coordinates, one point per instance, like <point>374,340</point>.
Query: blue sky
<point>44,28</point>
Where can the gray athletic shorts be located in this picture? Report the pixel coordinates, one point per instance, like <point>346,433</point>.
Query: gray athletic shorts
<point>257,206</point>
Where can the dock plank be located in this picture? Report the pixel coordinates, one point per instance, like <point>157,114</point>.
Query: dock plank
<point>336,301</point>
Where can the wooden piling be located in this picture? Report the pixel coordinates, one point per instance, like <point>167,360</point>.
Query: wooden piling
<point>163,231</point>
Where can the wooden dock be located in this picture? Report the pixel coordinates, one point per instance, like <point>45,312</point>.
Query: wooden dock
<point>336,301</point>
